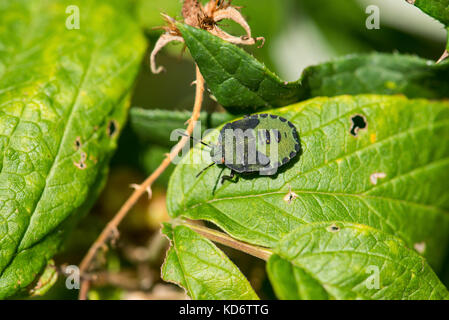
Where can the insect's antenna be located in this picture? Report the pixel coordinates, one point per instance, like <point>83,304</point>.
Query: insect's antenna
<point>194,139</point>
<point>204,169</point>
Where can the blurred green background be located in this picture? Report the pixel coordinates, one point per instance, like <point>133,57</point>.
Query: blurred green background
<point>298,33</point>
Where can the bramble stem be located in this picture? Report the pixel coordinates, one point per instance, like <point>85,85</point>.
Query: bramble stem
<point>111,228</point>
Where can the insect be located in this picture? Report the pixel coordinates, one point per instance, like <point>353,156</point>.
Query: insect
<point>257,143</point>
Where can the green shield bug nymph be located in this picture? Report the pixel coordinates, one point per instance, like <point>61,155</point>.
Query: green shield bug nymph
<point>258,143</point>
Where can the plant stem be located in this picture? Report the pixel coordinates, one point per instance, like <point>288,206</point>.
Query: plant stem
<point>111,227</point>
<point>224,239</point>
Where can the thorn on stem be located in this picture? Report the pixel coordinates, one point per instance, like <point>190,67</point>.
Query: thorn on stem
<point>104,247</point>
<point>115,234</point>
<point>136,186</point>
<point>443,56</point>
<point>168,18</point>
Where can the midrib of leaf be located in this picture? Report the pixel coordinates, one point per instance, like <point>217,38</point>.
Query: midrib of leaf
<point>336,194</point>
<point>71,111</point>
<point>24,45</point>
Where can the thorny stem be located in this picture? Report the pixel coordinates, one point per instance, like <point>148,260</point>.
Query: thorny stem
<point>111,227</point>
<point>220,237</point>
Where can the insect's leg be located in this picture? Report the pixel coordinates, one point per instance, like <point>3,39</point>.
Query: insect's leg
<point>199,173</point>
<point>216,182</point>
<point>230,177</point>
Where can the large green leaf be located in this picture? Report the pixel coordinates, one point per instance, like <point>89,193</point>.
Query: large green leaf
<point>242,84</point>
<point>333,179</point>
<point>63,99</point>
<point>350,261</point>
<point>197,265</point>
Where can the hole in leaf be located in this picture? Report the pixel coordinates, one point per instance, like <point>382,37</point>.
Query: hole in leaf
<point>290,196</point>
<point>333,228</point>
<point>358,123</point>
<point>376,176</point>
<point>112,128</point>
<point>82,163</point>
<point>77,143</point>
<point>420,247</point>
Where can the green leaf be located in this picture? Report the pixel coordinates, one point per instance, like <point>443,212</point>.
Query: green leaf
<point>350,261</point>
<point>293,283</point>
<point>46,281</point>
<point>333,178</point>
<point>63,100</point>
<point>156,125</point>
<point>378,73</point>
<point>242,84</point>
<point>437,9</point>
<point>238,81</point>
<point>197,265</point>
